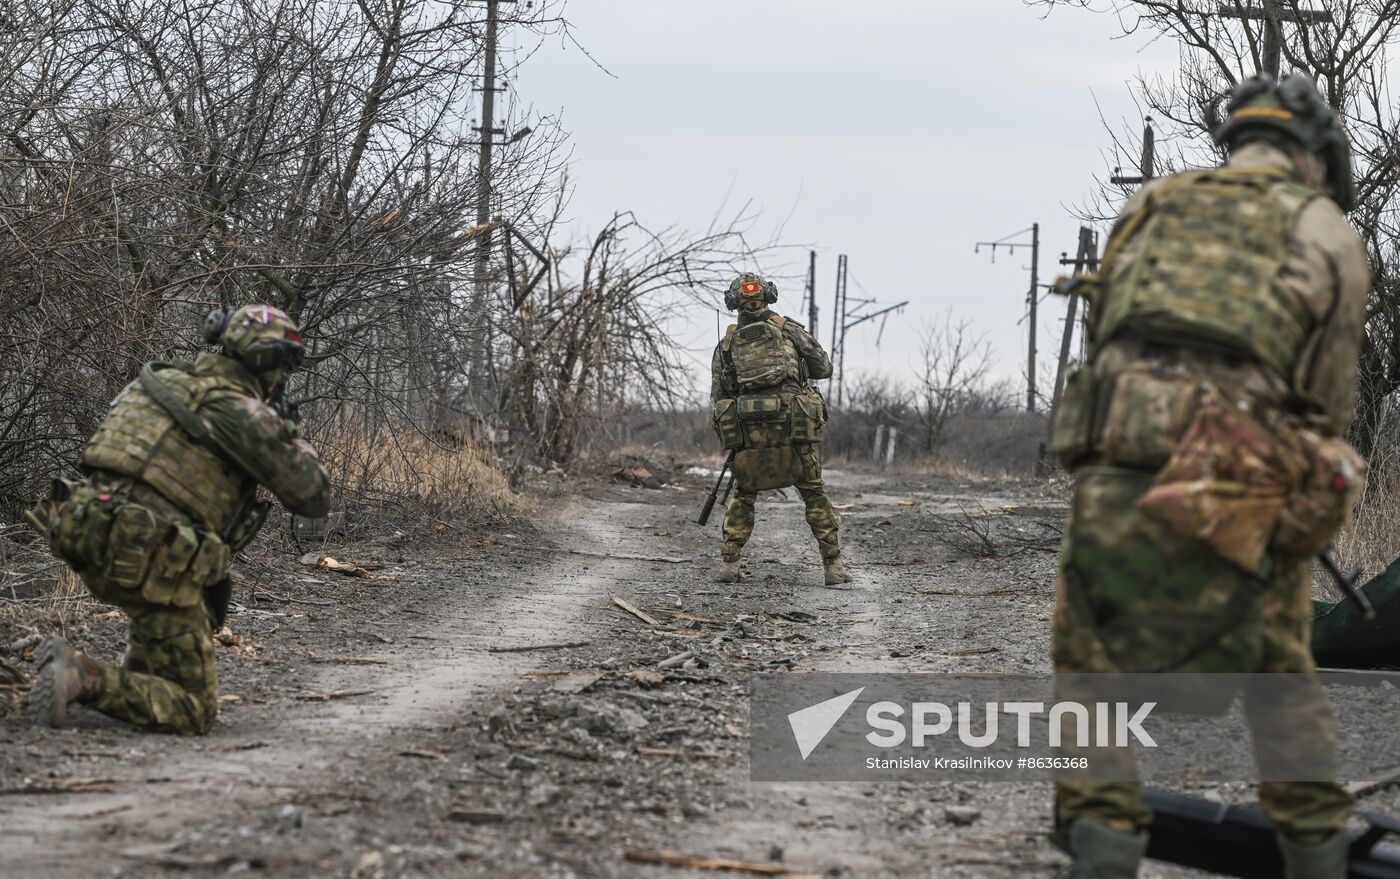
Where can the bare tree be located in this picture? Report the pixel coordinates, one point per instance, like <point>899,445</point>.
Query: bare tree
<point>952,367</point>
<point>1348,56</point>
<point>160,158</point>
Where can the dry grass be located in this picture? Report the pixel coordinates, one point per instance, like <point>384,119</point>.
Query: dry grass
<point>1372,540</point>
<point>398,474</point>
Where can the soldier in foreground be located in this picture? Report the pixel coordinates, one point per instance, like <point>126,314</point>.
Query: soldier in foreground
<point>1226,316</point>
<point>169,494</point>
<point>767,414</point>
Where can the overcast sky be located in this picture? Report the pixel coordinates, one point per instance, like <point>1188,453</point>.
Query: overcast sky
<point>898,132</point>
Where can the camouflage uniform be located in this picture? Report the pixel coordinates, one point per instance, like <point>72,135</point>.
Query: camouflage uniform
<point>774,454</point>
<point>151,527</point>
<point>1133,594</point>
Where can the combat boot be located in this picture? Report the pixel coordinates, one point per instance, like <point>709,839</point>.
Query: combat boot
<point>65,676</point>
<point>835,571</point>
<point>729,571</point>
<point>1326,859</point>
<point>1104,852</point>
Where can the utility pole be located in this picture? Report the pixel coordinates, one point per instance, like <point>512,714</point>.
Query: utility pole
<point>1147,167</point>
<point>1032,296</point>
<point>843,320</point>
<point>481,271</point>
<point>1273,16</point>
<point>812,292</point>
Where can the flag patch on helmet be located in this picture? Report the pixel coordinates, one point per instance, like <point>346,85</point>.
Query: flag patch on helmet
<point>750,287</point>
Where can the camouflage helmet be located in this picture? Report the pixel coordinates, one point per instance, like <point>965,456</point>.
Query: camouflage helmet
<point>749,286</point>
<point>1294,107</point>
<point>260,337</point>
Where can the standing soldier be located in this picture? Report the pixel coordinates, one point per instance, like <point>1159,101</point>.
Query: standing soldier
<point>767,413</point>
<point>169,494</point>
<point>1226,321</point>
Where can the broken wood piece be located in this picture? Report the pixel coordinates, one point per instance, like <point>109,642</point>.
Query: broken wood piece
<point>648,678</point>
<point>1384,780</point>
<point>525,648</point>
<point>639,614</point>
<point>333,694</point>
<point>677,660</point>
<point>421,755</point>
<point>646,751</point>
<point>700,862</point>
<point>346,660</point>
<point>63,786</point>
<point>688,617</point>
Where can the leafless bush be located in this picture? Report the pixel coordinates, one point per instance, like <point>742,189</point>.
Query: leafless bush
<point>157,159</point>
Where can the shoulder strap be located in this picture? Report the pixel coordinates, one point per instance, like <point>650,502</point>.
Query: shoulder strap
<point>159,391</point>
<point>777,320</point>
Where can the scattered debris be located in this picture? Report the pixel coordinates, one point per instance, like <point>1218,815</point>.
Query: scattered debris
<point>961,816</point>
<point>648,678</point>
<point>641,615</point>
<point>521,763</point>
<point>638,476</point>
<point>370,866</point>
<point>289,817</point>
<point>422,755</point>
<point>700,862</point>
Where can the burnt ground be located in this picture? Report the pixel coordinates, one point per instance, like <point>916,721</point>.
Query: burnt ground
<point>391,725</point>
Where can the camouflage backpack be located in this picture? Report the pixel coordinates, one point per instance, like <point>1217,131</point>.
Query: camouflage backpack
<point>1208,273</point>
<point>763,356</point>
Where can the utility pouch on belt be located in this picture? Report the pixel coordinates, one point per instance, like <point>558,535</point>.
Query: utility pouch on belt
<point>726,421</point>
<point>80,524</point>
<point>808,416</point>
<point>762,469</point>
<point>1226,482</point>
<point>184,564</point>
<point>129,546</point>
<point>761,407</point>
<point>1073,437</point>
<point>1146,418</point>
<point>1328,492</point>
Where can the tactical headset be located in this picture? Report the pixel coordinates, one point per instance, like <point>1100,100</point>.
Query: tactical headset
<point>258,354</point>
<point>749,284</point>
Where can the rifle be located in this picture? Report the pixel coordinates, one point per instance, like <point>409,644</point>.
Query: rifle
<point>1240,840</point>
<point>714,492</point>
<point>1346,581</point>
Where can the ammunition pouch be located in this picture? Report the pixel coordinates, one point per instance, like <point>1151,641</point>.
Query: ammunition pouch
<point>726,422</point>
<point>1145,418</point>
<point>766,420</point>
<point>767,468</point>
<point>761,408</point>
<point>129,551</point>
<point>808,416</point>
<point>1073,436</point>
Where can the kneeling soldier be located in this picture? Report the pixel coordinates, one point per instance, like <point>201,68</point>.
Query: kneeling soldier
<point>169,493</point>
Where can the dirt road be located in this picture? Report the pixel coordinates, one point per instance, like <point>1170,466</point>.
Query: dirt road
<point>481,706</point>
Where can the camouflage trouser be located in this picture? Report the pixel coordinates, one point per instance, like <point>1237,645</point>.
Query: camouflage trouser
<point>821,516</point>
<point>1134,596</point>
<point>168,681</point>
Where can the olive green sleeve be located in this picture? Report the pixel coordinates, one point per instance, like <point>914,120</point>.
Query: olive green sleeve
<point>257,439</point>
<point>717,391</point>
<point>818,364</point>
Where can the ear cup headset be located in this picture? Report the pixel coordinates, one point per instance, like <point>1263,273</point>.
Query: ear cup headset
<point>260,337</point>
